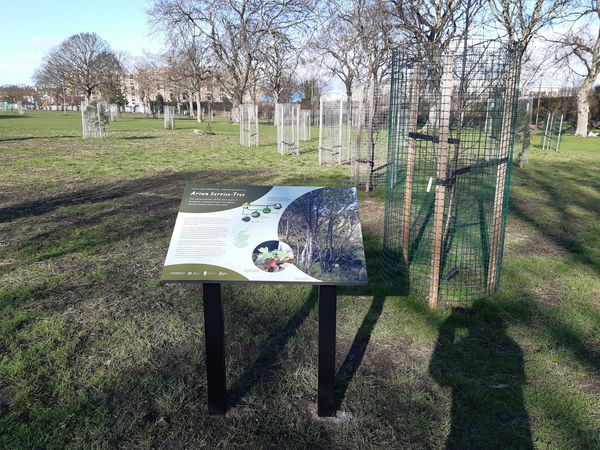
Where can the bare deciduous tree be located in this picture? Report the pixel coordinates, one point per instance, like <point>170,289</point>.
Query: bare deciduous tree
<point>148,78</point>
<point>522,20</point>
<point>278,62</point>
<point>50,80</point>
<point>235,29</point>
<point>338,47</point>
<point>430,21</point>
<point>84,62</point>
<point>579,49</point>
<point>189,62</point>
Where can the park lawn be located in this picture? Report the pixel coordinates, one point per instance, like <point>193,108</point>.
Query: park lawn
<point>94,352</point>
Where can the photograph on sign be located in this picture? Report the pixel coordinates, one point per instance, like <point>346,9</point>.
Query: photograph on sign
<point>283,234</point>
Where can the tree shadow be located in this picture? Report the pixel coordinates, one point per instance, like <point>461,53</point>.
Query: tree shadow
<point>12,116</point>
<point>565,196</point>
<point>475,357</point>
<point>262,367</point>
<point>41,138</point>
<point>355,355</point>
<point>135,138</point>
<point>161,183</point>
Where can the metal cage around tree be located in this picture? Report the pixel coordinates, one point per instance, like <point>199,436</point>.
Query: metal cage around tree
<point>451,133</point>
<point>334,131</point>
<point>115,114</point>
<point>288,128</point>
<point>169,117</point>
<point>305,134</point>
<point>94,119</point>
<point>249,125</point>
<point>369,136</point>
<point>550,139</point>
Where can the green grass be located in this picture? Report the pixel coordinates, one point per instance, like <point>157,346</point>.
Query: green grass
<point>95,353</point>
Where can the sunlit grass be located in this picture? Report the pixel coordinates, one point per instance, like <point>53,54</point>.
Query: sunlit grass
<point>94,352</point>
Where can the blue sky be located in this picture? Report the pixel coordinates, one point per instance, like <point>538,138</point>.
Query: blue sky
<point>31,27</point>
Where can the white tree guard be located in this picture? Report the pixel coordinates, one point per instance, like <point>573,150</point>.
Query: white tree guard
<point>115,114</point>
<point>288,128</point>
<point>20,109</point>
<point>305,124</point>
<point>369,135</point>
<point>169,117</point>
<point>332,125</point>
<point>94,119</point>
<point>552,131</point>
<point>249,125</point>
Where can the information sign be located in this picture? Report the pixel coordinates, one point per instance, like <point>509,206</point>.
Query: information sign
<point>278,234</point>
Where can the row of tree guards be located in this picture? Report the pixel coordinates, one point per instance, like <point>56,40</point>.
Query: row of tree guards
<point>440,135</point>
<point>293,125</point>
<point>552,132</point>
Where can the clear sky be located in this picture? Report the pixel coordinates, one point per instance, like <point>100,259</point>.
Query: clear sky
<point>29,28</point>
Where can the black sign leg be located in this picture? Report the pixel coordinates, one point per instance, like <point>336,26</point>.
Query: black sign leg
<point>214,337</point>
<point>326,390</point>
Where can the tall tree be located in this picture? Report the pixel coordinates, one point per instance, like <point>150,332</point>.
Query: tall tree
<point>431,22</point>
<point>85,62</point>
<point>148,78</point>
<point>579,49</point>
<point>279,59</point>
<point>338,46</point>
<point>49,78</point>
<point>189,62</point>
<point>522,21</point>
<point>236,29</point>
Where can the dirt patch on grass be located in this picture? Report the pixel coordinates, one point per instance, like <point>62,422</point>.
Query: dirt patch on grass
<point>7,396</point>
<point>591,385</point>
<point>522,239</point>
<point>372,214</point>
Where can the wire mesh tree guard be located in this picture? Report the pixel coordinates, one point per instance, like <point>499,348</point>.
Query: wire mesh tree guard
<point>369,135</point>
<point>288,128</point>
<point>523,127</point>
<point>20,109</point>
<point>334,132</point>
<point>94,119</point>
<point>249,125</point>
<point>451,141</point>
<point>169,117</point>
<point>305,134</point>
<point>114,112</point>
<point>552,131</point>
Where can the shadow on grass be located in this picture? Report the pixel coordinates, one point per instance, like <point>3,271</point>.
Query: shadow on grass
<point>564,193</point>
<point>40,138</point>
<point>483,366</point>
<point>159,184</point>
<point>264,362</point>
<point>136,138</point>
<point>355,355</point>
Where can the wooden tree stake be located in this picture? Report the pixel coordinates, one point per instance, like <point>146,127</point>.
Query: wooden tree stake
<point>505,139</point>
<point>440,189</point>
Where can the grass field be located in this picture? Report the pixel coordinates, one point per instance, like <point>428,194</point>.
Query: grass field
<point>95,353</point>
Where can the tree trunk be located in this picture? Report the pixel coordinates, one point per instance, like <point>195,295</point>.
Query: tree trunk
<point>372,105</point>
<point>191,104</point>
<point>583,106</point>
<point>199,106</point>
